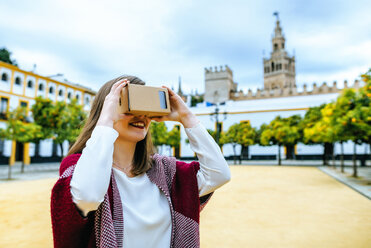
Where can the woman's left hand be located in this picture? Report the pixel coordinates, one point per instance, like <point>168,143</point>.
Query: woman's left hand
<point>179,111</point>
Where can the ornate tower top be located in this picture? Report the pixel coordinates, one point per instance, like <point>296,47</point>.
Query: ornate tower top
<point>278,40</point>
<point>279,69</point>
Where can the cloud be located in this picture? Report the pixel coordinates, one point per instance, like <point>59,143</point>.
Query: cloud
<point>91,42</point>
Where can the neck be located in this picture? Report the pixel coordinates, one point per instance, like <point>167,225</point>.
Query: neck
<point>123,153</point>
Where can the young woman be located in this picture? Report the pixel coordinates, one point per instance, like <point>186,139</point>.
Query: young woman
<point>114,192</point>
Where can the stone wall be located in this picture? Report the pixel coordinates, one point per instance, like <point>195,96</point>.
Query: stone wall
<point>287,91</point>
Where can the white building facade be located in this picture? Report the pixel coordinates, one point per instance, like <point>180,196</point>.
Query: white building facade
<point>20,88</point>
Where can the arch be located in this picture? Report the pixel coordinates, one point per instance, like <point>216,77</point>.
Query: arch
<point>4,77</point>
<point>17,81</point>
<point>275,46</point>
<point>30,84</point>
<point>41,87</point>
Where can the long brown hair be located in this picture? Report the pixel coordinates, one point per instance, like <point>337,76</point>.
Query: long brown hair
<point>143,149</point>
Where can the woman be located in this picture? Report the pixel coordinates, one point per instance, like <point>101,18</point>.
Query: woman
<point>114,192</point>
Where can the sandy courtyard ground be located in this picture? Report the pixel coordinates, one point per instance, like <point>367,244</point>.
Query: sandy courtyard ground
<point>263,206</point>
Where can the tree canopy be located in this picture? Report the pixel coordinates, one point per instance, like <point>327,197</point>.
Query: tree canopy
<point>5,56</point>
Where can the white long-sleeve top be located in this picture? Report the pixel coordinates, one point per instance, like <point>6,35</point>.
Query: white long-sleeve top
<point>147,218</point>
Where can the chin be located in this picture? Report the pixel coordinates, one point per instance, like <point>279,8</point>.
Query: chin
<point>133,137</point>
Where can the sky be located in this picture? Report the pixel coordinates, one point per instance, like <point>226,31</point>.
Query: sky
<point>92,42</point>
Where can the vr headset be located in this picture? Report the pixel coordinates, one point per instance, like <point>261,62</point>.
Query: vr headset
<point>144,100</point>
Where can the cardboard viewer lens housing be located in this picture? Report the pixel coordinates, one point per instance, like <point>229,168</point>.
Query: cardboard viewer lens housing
<point>144,100</point>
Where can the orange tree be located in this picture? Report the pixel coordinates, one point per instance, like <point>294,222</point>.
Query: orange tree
<point>247,136</point>
<point>356,120</point>
<point>313,129</point>
<point>59,121</point>
<point>239,134</point>
<point>231,137</point>
<point>174,138</point>
<point>44,115</point>
<point>282,131</point>
<point>159,134</point>
<point>364,110</point>
<point>323,130</point>
<point>70,120</point>
<point>20,130</point>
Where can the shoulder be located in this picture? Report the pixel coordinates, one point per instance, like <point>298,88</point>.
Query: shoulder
<point>182,166</point>
<point>172,163</point>
<point>68,162</point>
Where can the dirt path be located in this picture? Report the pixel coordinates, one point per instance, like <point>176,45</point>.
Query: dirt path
<point>261,207</point>
<point>285,207</point>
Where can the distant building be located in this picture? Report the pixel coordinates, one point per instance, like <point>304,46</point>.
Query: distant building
<point>20,88</point>
<point>278,96</point>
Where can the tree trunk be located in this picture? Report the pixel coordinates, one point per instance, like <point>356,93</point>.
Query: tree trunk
<point>355,174</point>
<point>10,172</point>
<point>364,157</point>
<point>62,152</point>
<point>324,154</point>
<point>342,157</point>
<point>333,156</point>
<point>37,149</point>
<point>234,154</point>
<point>328,150</point>
<point>279,154</point>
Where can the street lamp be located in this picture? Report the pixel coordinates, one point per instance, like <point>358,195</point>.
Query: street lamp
<point>215,116</point>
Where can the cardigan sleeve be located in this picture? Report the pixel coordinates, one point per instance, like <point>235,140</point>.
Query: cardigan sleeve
<point>70,228</point>
<point>214,170</point>
<point>185,197</point>
<point>92,175</point>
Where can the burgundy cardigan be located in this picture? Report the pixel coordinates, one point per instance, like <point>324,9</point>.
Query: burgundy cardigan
<point>105,226</point>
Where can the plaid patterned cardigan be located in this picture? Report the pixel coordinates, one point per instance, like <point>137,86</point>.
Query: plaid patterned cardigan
<point>105,226</point>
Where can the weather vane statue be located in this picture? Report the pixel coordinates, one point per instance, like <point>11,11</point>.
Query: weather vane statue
<point>276,14</point>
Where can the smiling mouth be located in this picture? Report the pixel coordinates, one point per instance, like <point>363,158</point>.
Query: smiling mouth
<point>138,124</point>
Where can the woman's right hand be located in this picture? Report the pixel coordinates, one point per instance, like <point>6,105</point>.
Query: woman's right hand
<point>109,113</point>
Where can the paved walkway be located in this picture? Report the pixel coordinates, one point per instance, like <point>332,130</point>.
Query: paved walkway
<point>31,172</point>
<point>362,184</point>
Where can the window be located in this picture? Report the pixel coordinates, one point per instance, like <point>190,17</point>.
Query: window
<point>3,107</point>
<point>4,77</point>
<point>275,47</point>
<point>60,93</point>
<point>23,104</point>
<point>77,97</point>
<point>30,84</point>
<point>51,90</point>
<point>41,87</point>
<point>18,81</point>
<point>69,95</point>
<point>86,100</point>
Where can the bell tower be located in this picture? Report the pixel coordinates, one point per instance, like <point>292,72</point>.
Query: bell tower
<point>279,69</point>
